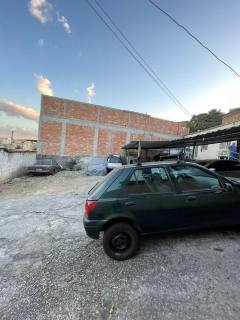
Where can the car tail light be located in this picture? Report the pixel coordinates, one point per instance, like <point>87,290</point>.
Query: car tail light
<point>89,205</point>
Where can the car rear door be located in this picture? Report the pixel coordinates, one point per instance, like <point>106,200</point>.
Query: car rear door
<point>152,199</point>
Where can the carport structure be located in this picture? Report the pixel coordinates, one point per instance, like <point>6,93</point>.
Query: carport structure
<point>217,136</point>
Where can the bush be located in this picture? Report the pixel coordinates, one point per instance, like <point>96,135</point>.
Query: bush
<point>71,163</point>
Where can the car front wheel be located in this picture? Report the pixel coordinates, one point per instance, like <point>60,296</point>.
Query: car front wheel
<point>120,241</point>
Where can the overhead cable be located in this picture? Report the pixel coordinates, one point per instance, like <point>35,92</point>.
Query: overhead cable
<point>121,37</point>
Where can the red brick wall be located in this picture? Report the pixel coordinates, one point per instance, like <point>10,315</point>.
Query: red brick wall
<point>139,121</point>
<point>77,110</point>
<point>81,118</point>
<point>110,141</point>
<point>163,126</point>
<point>156,138</point>
<point>78,140</point>
<point>117,117</point>
<point>137,137</point>
<point>52,106</point>
<point>183,131</point>
<point>52,149</point>
<point>231,117</point>
<point>50,138</point>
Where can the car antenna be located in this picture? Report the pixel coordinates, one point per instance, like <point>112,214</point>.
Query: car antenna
<point>139,154</point>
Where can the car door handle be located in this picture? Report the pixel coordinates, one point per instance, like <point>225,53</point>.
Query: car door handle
<point>191,198</point>
<point>130,203</point>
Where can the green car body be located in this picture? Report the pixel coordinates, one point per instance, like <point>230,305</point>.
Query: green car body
<point>162,197</point>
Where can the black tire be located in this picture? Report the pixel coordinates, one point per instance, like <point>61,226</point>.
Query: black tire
<point>120,241</point>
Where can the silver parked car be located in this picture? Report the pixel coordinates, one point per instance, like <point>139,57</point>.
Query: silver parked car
<point>114,161</point>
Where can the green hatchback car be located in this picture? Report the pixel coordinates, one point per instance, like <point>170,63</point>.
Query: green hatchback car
<point>157,198</point>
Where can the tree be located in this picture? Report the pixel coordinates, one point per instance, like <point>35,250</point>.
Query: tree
<point>205,120</point>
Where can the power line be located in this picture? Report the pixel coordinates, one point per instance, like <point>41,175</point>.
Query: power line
<point>142,63</point>
<point>195,38</point>
<point>169,93</point>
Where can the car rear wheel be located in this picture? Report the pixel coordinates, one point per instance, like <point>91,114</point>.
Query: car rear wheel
<point>120,241</point>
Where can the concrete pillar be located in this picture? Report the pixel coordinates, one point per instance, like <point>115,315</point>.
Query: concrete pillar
<point>95,142</point>
<point>128,137</point>
<point>95,139</point>
<point>63,136</point>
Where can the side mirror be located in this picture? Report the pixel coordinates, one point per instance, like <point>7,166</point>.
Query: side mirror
<point>228,187</point>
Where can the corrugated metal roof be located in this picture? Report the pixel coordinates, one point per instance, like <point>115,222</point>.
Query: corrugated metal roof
<point>225,135</point>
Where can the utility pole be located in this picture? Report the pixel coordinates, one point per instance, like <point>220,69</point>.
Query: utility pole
<point>12,132</point>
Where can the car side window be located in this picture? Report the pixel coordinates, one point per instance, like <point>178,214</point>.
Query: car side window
<point>149,180</point>
<point>191,178</point>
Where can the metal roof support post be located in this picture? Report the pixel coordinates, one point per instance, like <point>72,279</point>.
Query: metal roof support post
<point>193,152</point>
<point>139,154</point>
<point>238,149</point>
<point>184,153</point>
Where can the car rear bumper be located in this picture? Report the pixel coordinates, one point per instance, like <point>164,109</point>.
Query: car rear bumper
<point>93,227</point>
<point>38,172</point>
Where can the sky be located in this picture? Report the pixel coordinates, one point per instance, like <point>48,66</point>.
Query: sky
<point>62,48</point>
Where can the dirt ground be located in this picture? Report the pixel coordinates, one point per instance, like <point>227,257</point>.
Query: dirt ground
<point>62,182</point>
<point>50,269</point>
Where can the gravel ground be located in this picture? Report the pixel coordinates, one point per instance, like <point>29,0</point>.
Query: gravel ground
<point>49,269</point>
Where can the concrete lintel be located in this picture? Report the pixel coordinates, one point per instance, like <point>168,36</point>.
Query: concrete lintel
<point>94,124</point>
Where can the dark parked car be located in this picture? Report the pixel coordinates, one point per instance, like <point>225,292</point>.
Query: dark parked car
<point>227,168</point>
<point>44,166</point>
<point>158,197</point>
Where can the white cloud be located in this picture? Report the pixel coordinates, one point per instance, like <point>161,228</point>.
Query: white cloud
<point>90,92</point>
<point>17,110</point>
<point>19,132</point>
<point>40,9</point>
<point>64,23</point>
<point>40,43</point>
<point>44,85</point>
<point>44,11</point>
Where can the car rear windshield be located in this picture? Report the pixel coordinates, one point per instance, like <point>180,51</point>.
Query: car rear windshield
<point>44,162</point>
<point>104,182</point>
<point>114,160</point>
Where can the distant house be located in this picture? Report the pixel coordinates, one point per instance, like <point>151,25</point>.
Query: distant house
<point>19,144</point>
<point>232,116</point>
<point>218,150</point>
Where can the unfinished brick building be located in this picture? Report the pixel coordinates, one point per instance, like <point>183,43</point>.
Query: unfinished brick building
<point>71,128</point>
<point>232,116</point>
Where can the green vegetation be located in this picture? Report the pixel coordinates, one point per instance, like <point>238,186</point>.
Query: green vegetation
<point>71,163</point>
<point>205,120</point>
